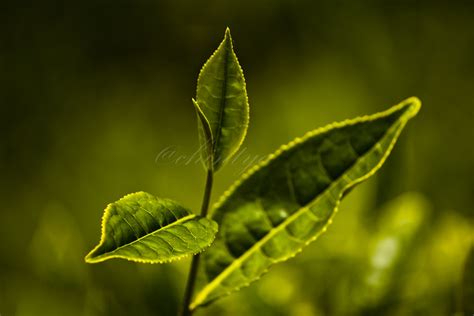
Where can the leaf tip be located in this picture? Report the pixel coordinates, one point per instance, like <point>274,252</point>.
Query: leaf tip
<point>89,258</point>
<point>94,256</point>
<point>227,37</point>
<point>413,105</point>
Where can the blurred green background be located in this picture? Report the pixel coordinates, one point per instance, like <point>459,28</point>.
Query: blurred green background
<point>92,94</point>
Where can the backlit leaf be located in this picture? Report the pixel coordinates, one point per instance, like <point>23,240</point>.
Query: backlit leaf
<point>143,228</point>
<point>222,97</point>
<point>284,203</point>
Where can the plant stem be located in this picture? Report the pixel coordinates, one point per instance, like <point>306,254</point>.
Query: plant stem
<point>185,311</point>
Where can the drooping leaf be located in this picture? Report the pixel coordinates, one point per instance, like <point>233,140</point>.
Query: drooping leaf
<point>143,228</point>
<point>222,97</point>
<point>284,203</point>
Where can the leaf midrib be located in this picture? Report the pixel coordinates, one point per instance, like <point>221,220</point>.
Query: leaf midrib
<point>223,100</point>
<point>183,219</point>
<point>234,265</point>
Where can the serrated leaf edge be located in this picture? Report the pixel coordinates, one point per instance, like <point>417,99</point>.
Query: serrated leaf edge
<point>105,218</point>
<point>415,106</point>
<point>228,37</point>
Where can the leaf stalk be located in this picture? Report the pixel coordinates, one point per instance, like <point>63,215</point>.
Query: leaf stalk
<point>191,282</point>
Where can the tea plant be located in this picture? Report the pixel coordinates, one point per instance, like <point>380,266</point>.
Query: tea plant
<point>271,213</point>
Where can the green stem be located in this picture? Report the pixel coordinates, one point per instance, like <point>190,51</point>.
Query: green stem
<point>185,311</point>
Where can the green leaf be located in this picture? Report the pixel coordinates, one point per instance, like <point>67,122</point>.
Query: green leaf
<point>142,228</point>
<point>205,137</point>
<point>222,97</point>
<point>284,203</point>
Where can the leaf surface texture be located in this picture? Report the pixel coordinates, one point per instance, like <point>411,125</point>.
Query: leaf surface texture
<point>143,228</point>
<point>222,96</point>
<point>284,203</point>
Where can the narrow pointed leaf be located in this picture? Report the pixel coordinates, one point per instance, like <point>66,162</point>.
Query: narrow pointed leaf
<point>143,228</point>
<point>205,137</point>
<point>287,201</point>
<point>222,97</point>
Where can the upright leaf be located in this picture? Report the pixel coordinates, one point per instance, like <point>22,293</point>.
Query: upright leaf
<point>143,228</point>
<point>222,98</point>
<point>287,201</point>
